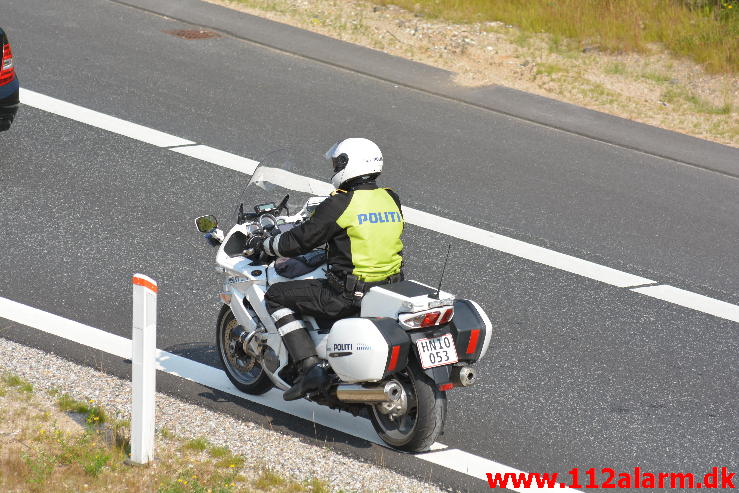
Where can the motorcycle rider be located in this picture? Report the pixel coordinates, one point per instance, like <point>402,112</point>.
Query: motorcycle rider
<point>362,225</point>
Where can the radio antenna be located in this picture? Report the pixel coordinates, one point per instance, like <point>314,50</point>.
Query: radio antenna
<point>441,279</point>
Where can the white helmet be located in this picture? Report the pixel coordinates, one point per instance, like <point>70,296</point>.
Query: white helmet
<point>353,158</point>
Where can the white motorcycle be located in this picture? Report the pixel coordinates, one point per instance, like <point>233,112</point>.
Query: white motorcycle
<point>394,361</point>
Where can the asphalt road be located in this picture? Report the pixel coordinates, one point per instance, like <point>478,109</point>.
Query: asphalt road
<point>579,373</point>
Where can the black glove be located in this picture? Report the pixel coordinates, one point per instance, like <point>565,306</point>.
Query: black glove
<point>256,244</point>
<point>213,241</point>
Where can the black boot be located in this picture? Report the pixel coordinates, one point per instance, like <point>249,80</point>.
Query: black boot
<point>313,377</point>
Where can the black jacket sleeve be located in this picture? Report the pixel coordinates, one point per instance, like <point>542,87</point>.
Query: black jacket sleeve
<point>396,198</point>
<point>315,231</point>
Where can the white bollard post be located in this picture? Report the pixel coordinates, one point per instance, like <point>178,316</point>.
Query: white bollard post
<point>144,368</point>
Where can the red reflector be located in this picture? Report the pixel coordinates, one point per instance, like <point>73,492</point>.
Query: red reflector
<point>472,345</point>
<point>430,319</point>
<point>446,386</point>
<point>393,358</point>
<point>447,316</point>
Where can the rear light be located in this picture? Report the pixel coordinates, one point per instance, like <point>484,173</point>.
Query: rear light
<point>472,345</point>
<point>446,386</point>
<point>430,319</point>
<point>393,359</point>
<point>7,72</point>
<point>427,319</point>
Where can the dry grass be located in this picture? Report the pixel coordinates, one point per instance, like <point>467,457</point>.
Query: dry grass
<point>48,447</point>
<point>707,32</point>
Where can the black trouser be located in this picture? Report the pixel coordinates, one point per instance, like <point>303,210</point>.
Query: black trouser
<point>287,301</point>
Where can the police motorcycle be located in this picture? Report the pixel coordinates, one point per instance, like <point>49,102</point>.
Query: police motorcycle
<point>394,362</point>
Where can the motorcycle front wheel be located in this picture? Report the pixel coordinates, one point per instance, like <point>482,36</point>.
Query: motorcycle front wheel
<point>420,425</point>
<point>243,370</point>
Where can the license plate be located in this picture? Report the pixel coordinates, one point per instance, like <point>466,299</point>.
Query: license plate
<point>437,351</point>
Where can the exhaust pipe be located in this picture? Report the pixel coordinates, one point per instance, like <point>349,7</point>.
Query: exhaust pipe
<point>463,375</point>
<point>352,393</point>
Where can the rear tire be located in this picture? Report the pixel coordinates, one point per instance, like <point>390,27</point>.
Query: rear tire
<point>423,422</point>
<point>244,371</point>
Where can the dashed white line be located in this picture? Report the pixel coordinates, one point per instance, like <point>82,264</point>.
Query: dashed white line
<point>522,249</point>
<point>691,300</point>
<point>221,158</point>
<point>100,120</point>
<point>518,248</point>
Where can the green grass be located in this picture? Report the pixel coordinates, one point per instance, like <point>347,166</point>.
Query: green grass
<point>522,39</point>
<point>699,105</point>
<point>196,444</point>
<point>598,92</point>
<point>705,31</point>
<point>225,459</point>
<point>317,486</point>
<point>53,458</point>
<point>656,77</point>
<point>710,109</point>
<point>230,462</point>
<point>86,450</point>
<point>219,452</point>
<point>40,466</point>
<point>93,414</point>
<point>16,381</point>
<point>616,69</point>
<point>268,480</point>
<point>549,69</point>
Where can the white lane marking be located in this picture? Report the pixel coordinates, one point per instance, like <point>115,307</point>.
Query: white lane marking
<point>568,263</point>
<point>522,249</point>
<point>63,327</point>
<point>478,467</point>
<point>419,218</point>
<point>267,175</point>
<point>100,120</point>
<point>214,378</point>
<point>691,300</point>
<point>221,158</point>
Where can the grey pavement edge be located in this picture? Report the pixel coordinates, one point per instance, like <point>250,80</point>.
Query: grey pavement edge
<point>566,117</point>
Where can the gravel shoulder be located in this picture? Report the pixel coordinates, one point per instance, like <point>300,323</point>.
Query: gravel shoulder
<point>285,455</point>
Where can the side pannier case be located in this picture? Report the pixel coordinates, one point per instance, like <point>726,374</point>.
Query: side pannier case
<point>367,350</point>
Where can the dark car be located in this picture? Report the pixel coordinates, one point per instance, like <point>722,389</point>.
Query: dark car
<point>8,84</point>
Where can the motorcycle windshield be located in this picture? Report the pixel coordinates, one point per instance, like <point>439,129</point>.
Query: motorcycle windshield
<point>279,177</point>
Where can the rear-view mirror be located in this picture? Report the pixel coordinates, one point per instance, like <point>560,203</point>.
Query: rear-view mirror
<point>206,224</point>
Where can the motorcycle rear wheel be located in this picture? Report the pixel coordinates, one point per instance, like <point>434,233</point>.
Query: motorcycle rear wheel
<point>243,370</point>
<point>423,421</point>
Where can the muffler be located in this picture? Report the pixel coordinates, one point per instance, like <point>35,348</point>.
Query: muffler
<point>358,394</point>
<point>463,375</point>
